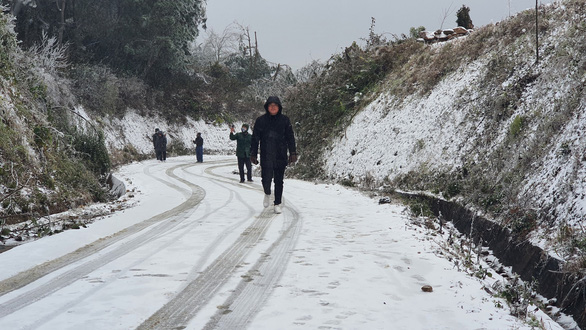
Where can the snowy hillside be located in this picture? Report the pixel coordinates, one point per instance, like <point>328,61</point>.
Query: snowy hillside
<point>501,121</point>
<point>136,130</point>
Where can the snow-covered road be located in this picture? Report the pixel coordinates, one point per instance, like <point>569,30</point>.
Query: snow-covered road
<point>199,251</point>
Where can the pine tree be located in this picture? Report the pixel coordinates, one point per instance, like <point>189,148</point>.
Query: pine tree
<point>463,17</point>
<point>151,37</point>
<point>147,37</point>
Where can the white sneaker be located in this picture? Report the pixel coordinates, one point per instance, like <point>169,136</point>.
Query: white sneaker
<point>278,209</point>
<point>266,201</point>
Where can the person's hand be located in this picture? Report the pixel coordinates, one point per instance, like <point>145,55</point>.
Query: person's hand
<point>253,160</point>
<point>292,159</point>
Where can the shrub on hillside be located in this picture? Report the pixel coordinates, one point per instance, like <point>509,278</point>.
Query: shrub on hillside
<point>336,92</point>
<point>46,165</point>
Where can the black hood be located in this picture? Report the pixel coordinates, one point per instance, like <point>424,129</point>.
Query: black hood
<point>273,99</point>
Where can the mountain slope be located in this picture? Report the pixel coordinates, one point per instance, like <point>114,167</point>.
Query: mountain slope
<point>498,132</point>
<point>50,160</point>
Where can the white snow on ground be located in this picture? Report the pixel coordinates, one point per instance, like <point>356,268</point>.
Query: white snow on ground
<point>355,264</point>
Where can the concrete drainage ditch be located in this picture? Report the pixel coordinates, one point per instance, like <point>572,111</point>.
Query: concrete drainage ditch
<point>528,261</point>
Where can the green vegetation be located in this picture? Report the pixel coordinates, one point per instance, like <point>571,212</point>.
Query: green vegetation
<point>324,105</point>
<point>414,32</point>
<point>47,163</point>
<point>463,17</point>
<point>8,44</point>
<point>146,38</point>
<point>516,126</point>
<point>418,206</point>
<point>518,295</point>
<point>521,222</point>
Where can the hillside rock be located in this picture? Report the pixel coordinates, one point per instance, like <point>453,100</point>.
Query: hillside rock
<point>443,35</point>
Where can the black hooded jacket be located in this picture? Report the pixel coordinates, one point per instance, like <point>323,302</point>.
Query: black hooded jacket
<point>275,135</point>
<point>161,141</point>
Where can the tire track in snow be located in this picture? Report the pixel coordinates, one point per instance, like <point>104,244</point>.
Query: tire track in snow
<point>180,232</point>
<point>177,313</point>
<point>220,237</point>
<point>174,217</point>
<point>251,294</point>
<point>248,298</point>
<point>186,304</point>
<point>233,182</point>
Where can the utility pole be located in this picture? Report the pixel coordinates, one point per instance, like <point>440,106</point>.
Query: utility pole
<point>536,33</point>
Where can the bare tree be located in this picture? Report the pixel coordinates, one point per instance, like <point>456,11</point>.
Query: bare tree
<point>247,45</point>
<point>50,54</point>
<point>235,38</point>
<point>309,71</point>
<point>446,13</point>
<point>220,46</point>
<point>277,84</point>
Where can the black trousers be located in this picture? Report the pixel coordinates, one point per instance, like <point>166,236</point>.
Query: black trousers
<point>161,154</point>
<point>241,162</point>
<point>273,173</point>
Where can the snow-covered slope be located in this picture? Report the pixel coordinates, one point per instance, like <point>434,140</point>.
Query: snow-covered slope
<point>136,130</point>
<point>523,133</point>
<point>391,137</point>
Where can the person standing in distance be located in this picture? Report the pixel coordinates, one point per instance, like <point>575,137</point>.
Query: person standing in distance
<point>274,132</point>
<point>155,138</point>
<point>160,142</point>
<point>162,145</point>
<point>198,148</point>
<point>243,140</point>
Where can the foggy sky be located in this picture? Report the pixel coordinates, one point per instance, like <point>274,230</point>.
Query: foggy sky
<point>297,32</point>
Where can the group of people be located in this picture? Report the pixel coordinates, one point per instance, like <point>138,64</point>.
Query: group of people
<point>274,132</point>
<point>160,144</point>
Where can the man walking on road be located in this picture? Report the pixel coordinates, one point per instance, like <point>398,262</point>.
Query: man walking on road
<point>243,140</point>
<point>274,132</point>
